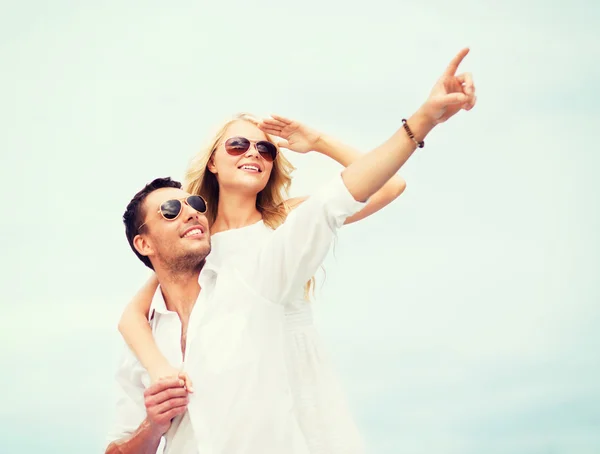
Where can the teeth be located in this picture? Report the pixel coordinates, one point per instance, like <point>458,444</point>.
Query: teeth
<point>256,169</point>
<point>193,232</point>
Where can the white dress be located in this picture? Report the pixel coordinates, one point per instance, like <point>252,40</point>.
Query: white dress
<point>319,401</point>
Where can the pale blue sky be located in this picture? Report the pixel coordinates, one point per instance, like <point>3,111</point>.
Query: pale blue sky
<point>462,318</point>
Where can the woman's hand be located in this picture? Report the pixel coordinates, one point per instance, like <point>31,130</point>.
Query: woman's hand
<point>168,371</point>
<point>451,93</point>
<point>296,136</point>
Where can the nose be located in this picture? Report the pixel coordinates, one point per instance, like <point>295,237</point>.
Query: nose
<point>189,213</point>
<point>252,151</point>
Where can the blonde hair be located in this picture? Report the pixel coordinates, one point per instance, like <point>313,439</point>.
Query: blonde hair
<point>270,202</point>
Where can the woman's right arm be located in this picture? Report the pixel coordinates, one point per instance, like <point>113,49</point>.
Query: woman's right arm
<point>136,331</point>
<point>297,248</point>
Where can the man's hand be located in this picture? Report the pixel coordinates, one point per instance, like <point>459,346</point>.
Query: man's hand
<point>165,400</point>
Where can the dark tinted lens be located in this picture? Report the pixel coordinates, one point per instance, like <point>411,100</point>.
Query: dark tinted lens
<point>197,203</point>
<point>170,209</point>
<point>267,150</point>
<point>237,145</point>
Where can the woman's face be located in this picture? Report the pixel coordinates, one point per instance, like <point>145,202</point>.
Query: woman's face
<point>239,170</point>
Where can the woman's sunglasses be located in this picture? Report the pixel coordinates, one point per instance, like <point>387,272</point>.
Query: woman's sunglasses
<point>237,146</point>
<point>171,209</point>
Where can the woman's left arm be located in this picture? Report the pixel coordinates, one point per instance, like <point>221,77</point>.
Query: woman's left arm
<point>300,138</point>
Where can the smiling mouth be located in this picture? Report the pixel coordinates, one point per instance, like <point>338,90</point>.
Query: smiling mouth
<point>250,168</point>
<point>194,232</point>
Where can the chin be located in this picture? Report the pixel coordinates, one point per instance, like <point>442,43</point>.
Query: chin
<point>248,185</point>
<point>192,258</point>
<point>201,248</point>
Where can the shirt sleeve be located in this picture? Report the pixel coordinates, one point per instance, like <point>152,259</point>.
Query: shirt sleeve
<point>130,409</point>
<point>296,249</point>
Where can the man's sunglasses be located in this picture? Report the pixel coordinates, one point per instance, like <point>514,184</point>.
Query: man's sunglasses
<point>237,146</point>
<point>171,209</point>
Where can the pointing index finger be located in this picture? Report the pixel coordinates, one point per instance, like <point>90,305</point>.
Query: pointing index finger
<point>453,66</point>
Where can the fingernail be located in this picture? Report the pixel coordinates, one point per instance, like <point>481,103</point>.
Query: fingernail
<point>190,389</point>
<point>181,383</point>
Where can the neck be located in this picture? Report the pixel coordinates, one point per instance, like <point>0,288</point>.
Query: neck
<point>235,210</point>
<point>180,290</point>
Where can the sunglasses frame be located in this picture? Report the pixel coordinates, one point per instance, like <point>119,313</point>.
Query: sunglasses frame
<point>255,143</point>
<point>184,200</point>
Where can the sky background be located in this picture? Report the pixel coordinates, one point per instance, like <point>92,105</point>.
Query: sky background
<point>463,318</point>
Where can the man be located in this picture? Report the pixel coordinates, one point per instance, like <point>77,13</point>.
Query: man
<point>225,325</point>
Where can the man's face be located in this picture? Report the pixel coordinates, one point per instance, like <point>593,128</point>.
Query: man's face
<point>178,245</point>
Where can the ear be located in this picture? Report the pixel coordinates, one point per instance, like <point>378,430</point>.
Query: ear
<point>212,168</point>
<point>143,246</point>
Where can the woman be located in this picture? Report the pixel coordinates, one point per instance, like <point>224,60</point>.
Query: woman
<point>244,180</point>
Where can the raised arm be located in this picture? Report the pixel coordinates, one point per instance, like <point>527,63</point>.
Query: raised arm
<point>300,138</point>
<point>346,155</point>
<point>297,248</point>
<point>450,94</point>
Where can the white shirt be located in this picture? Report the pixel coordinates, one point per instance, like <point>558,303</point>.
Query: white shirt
<point>235,351</point>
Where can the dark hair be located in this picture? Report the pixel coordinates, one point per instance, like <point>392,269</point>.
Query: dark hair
<point>134,215</point>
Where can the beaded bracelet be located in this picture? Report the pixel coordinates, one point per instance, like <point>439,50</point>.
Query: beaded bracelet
<point>420,144</point>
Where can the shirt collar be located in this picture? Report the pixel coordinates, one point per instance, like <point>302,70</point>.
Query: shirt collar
<point>158,304</point>
<point>209,272</point>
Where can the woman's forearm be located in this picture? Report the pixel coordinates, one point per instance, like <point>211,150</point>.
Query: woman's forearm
<point>136,331</point>
<point>336,150</point>
<point>138,336</point>
<point>346,155</point>
<point>368,174</point>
